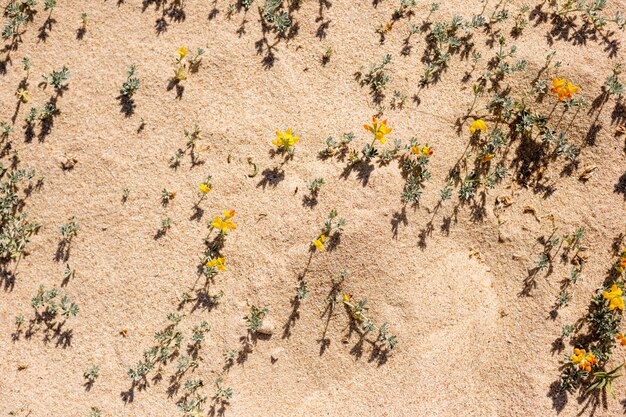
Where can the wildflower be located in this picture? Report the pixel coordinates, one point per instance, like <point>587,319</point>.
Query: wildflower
<point>583,359</point>
<point>285,140</point>
<point>182,53</point>
<point>223,224</point>
<point>614,297</point>
<point>319,242</point>
<point>229,214</point>
<point>423,151</point>
<point>205,188</point>
<point>563,88</point>
<point>487,157</point>
<point>378,129</point>
<point>347,298</point>
<point>217,262</point>
<point>622,340</point>
<point>477,124</point>
<point>22,95</point>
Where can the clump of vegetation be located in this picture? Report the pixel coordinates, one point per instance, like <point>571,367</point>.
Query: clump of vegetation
<point>15,227</point>
<point>275,16</point>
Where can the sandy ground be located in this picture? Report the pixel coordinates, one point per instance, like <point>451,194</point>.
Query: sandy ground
<point>469,343</point>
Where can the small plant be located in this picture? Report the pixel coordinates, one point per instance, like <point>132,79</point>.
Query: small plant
<point>358,310</point>
<point>332,228</point>
<point>302,291</point>
<point>278,18</point>
<point>69,230</point>
<point>167,196</point>
<point>58,78</point>
<point>125,194</point>
<point>333,146</point>
<point>316,185</point>
<point>379,131</point>
<point>132,83</point>
<point>48,301</point>
<point>186,64</point>
<point>91,373</point>
<point>192,136</point>
<point>166,224</point>
<point>222,394</point>
<point>254,319</point>
<point>205,187</point>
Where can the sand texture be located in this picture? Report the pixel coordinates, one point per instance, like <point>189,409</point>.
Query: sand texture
<point>476,336</point>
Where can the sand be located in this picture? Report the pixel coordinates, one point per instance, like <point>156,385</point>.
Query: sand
<point>470,343</point>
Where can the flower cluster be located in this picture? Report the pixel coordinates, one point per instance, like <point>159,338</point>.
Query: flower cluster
<point>286,141</point>
<point>563,88</point>
<point>224,223</point>
<point>584,360</point>
<point>615,298</point>
<point>379,130</point>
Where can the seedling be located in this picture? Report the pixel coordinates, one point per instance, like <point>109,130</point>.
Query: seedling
<point>222,394</point>
<point>132,83</point>
<point>58,79</point>
<point>91,373</point>
<point>69,230</point>
<point>254,319</point>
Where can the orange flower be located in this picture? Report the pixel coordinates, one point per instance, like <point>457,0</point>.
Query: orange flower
<point>615,298</point>
<point>424,150</point>
<point>584,360</point>
<point>487,157</point>
<point>563,88</point>
<point>378,129</point>
<point>622,340</point>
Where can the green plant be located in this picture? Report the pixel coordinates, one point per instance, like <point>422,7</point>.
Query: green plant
<point>48,301</point>
<point>95,412</point>
<point>91,373</point>
<point>69,230</point>
<point>222,394</point>
<point>254,319</point>
<point>272,14</point>
<point>58,79</point>
<point>132,83</point>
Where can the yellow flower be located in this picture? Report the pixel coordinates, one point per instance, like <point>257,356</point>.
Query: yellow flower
<point>319,242</point>
<point>614,297</point>
<point>285,140</point>
<point>205,188</point>
<point>379,129</point>
<point>22,95</point>
<point>583,359</point>
<point>223,224</point>
<point>229,214</point>
<point>182,53</point>
<point>563,88</point>
<point>347,298</point>
<point>217,262</point>
<point>487,157</point>
<point>478,124</point>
